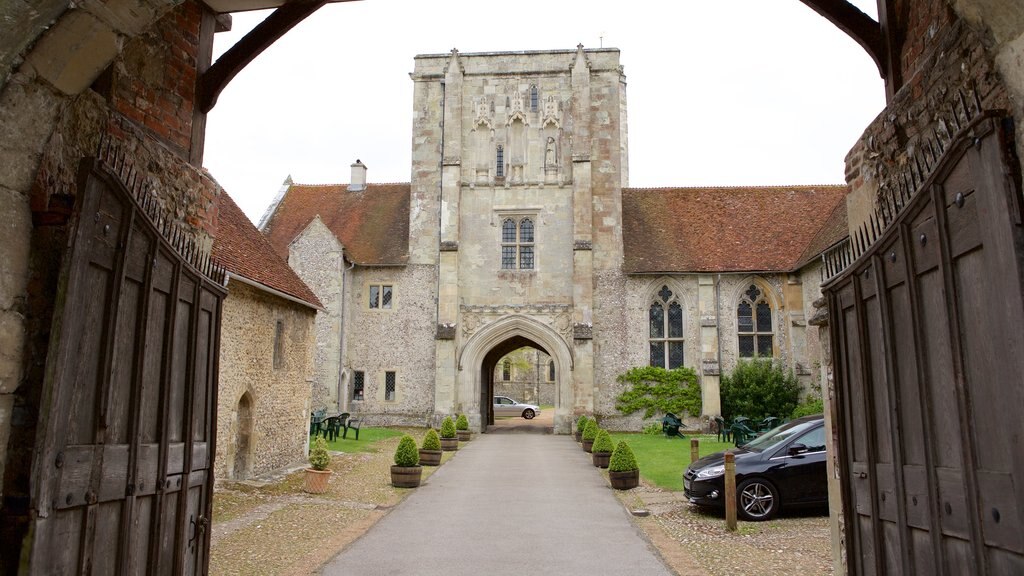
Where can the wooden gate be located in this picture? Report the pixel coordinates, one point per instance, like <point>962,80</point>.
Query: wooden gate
<point>124,462</point>
<point>928,339</point>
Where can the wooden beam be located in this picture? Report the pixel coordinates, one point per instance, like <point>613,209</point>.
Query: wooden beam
<point>283,19</point>
<point>857,25</point>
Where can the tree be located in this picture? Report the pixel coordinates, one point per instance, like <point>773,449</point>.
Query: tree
<point>758,388</point>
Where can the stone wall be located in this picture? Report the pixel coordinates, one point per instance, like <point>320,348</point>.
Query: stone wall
<point>278,395</point>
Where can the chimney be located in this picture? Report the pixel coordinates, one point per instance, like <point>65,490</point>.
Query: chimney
<point>358,181</point>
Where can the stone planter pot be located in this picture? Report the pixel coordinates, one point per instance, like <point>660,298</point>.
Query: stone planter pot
<point>464,435</point>
<point>587,445</point>
<point>430,457</point>
<point>316,481</point>
<point>624,480</point>
<point>406,476</point>
<point>449,444</point>
<point>601,458</point>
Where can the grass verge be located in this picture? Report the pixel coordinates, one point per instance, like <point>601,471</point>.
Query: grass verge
<point>662,460</point>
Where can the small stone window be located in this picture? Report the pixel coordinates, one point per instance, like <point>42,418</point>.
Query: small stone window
<point>506,370</point>
<point>380,296</point>
<point>499,169</point>
<point>389,386</point>
<point>551,370</point>
<point>358,384</point>
<point>279,345</point>
<point>517,244</point>
<point>534,98</point>
<point>754,324</point>
<point>665,316</point>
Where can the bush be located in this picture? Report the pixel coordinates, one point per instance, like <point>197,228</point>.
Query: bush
<point>653,429</point>
<point>758,388</point>
<point>319,458</point>
<point>590,432</point>
<point>813,404</point>
<point>406,454</point>
<point>447,428</point>
<point>581,423</point>
<point>431,441</point>
<point>622,459</point>
<point>602,442</point>
<point>659,390</point>
<point>462,423</point>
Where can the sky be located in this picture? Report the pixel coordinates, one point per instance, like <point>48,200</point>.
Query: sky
<point>719,92</point>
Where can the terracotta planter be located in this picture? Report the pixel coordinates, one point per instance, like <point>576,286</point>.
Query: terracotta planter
<point>587,445</point>
<point>624,480</point>
<point>449,444</point>
<point>464,435</point>
<point>316,481</point>
<point>430,457</point>
<point>601,458</point>
<point>406,476</point>
<point>579,435</point>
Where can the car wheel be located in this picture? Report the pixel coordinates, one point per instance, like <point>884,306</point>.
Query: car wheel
<point>528,414</point>
<point>757,500</point>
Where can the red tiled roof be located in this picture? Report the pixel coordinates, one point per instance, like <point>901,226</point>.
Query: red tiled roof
<point>833,230</point>
<point>372,225</point>
<point>243,251</point>
<point>741,229</point>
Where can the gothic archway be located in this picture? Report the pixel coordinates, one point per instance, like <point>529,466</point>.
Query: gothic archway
<point>243,438</point>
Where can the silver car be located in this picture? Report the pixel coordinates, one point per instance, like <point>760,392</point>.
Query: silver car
<point>504,406</point>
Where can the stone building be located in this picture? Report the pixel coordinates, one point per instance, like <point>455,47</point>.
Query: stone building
<point>519,229</point>
<point>266,353</point>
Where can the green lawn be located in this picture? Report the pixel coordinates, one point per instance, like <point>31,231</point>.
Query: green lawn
<point>662,460</point>
<point>366,442</point>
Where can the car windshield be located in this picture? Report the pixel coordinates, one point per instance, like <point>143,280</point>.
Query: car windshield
<point>778,434</point>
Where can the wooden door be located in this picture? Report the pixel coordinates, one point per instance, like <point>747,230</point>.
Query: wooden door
<point>125,456</point>
<point>928,334</point>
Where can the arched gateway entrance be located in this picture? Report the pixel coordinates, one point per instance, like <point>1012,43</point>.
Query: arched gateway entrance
<point>481,353</point>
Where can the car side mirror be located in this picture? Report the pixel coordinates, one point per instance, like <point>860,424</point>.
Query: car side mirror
<point>797,448</point>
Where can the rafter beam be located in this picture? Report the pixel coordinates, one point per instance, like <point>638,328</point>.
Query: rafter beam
<point>217,76</point>
<point>857,25</point>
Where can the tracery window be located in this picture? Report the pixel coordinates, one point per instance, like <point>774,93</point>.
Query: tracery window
<point>517,243</point>
<point>665,317</point>
<point>754,324</point>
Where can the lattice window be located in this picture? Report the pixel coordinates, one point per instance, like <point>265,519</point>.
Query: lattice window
<point>665,319</point>
<point>389,386</point>
<point>534,99</point>
<point>380,296</point>
<point>506,370</point>
<point>754,324</point>
<point>517,244</point>
<point>358,384</point>
<point>499,169</point>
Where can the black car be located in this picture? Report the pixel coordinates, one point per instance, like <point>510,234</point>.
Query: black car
<point>782,467</point>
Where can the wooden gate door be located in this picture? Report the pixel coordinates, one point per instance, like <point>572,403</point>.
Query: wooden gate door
<point>928,334</point>
<point>124,461</point>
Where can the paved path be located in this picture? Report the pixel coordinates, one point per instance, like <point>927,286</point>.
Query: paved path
<point>516,504</point>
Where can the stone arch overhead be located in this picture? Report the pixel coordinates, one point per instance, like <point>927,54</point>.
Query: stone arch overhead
<point>767,288</point>
<point>494,333</point>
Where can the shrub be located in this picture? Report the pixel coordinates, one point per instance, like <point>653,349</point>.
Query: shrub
<point>581,424</point>
<point>602,442</point>
<point>590,432</point>
<point>319,458</point>
<point>622,459</point>
<point>447,428</point>
<point>758,388</point>
<point>656,389</point>
<point>652,429</point>
<point>813,404</point>
<point>462,423</point>
<point>431,440</point>
<point>406,454</point>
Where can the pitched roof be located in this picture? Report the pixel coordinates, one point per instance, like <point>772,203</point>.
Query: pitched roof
<point>833,230</point>
<point>740,229</point>
<point>243,251</point>
<point>372,224</point>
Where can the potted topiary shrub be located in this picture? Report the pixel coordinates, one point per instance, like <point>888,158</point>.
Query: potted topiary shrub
<point>430,452</point>
<point>406,472</point>
<point>589,433</point>
<point>317,475</point>
<point>581,423</point>
<point>449,441</point>
<point>622,469</point>
<point>601,451</point>
<point>462,428</point>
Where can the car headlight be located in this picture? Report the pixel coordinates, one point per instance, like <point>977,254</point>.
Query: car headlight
<point>712,472</point>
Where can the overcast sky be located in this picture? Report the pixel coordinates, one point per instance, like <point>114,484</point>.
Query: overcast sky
<point>719,92</point>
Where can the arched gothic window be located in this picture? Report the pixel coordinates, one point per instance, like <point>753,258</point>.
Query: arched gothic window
<point>754,324</point>
<point>665,317</point>
<point>506,370</point>
<point>534,99</point>
<point>517,243</point>
<point>551,370</point>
